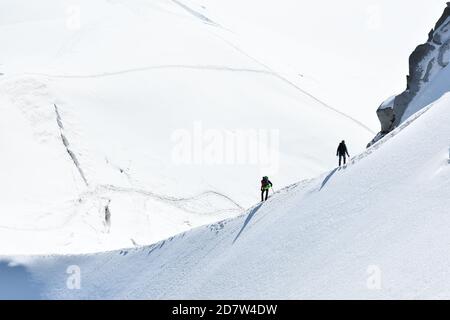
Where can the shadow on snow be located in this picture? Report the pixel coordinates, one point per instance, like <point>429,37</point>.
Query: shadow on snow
<point>249,218</point>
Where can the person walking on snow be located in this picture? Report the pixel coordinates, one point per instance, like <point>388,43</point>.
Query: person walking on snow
<point>265,186</point>
<point>342,152</point>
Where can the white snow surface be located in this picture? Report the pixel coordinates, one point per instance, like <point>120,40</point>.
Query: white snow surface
<point>385,212</point>
<point>87,132</point>
<point>93,112</point>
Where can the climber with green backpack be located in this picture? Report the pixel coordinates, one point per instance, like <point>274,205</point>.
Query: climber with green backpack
<point>265,186</point>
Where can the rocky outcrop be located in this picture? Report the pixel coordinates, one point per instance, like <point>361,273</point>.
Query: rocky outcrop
<point>425,63</point>
<point>386,115</point>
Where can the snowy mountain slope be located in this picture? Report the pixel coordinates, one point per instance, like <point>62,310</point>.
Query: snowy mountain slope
<point>321,45</point>
<point>80,112</point>
<point>386,213</point>
<point>116,117</point>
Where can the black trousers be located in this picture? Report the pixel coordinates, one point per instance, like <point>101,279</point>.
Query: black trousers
<point>262,194</point>
<point>342,157</point>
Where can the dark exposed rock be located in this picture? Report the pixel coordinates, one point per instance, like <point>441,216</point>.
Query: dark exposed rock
<point>442,50</point>
<point>430,35</point>
<point>416,72</point>
<point>437,39</point>
<point>426,76</point>
<point>444,16</point>
<point>387,119</point>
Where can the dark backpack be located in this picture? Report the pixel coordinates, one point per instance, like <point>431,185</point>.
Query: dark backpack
<point>265,183</point>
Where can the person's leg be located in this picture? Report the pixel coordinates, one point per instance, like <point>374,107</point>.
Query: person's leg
<point>340,160</point>
<point>267,194</point>
<point>345,159</point>
<point>262,195</point>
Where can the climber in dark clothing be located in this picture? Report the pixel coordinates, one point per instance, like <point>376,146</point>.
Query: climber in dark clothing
<point>265,186</point>
<point>342,152</point>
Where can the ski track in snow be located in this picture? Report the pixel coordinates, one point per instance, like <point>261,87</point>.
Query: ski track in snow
<point>268,71</point>
<point>161,67</point>
<point>179,202</point>
<point>187,204</point>
<point>359,123</point>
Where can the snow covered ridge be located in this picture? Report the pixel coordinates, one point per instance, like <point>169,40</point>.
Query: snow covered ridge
<point>427,63</point>
<point>376,229</point>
